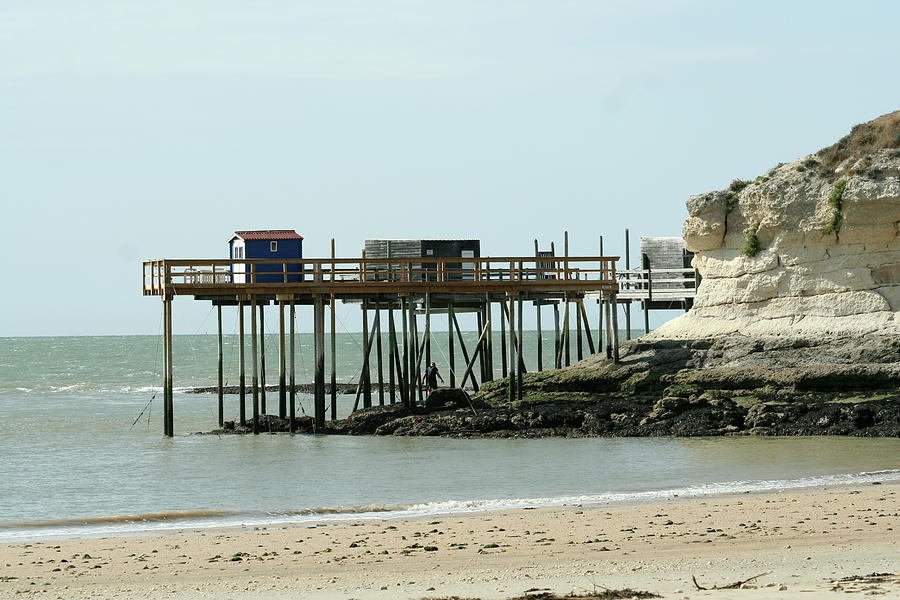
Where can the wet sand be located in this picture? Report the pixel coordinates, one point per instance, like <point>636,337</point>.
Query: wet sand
<point>798,541</point>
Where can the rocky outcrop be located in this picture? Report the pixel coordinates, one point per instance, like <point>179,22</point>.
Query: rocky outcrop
<point>809,248</point>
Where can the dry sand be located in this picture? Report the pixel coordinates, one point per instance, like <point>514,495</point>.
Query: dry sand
<point>802,541</point>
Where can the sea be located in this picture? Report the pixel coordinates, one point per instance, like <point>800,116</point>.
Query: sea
<point>82,451</point>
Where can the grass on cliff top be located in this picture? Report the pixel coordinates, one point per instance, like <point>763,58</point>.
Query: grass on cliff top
<point>883,132</point>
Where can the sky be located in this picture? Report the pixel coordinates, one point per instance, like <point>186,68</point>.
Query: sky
<point>155,128</point>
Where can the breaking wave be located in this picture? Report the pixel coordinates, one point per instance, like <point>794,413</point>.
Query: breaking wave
<point>205,519</point>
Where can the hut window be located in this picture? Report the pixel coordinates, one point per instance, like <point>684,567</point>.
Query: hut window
<point>273,246</point>
<point>429,253</point>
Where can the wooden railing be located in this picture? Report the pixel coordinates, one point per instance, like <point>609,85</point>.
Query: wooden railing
<point>379,275</point>
<point>657,284</point>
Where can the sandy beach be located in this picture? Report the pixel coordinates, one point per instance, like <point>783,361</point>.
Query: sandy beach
<point>801,541</point>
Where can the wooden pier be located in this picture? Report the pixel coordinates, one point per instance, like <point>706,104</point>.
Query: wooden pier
<point>404,288</point>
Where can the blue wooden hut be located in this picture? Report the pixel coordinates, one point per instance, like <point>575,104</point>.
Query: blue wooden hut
<point>270,244</point>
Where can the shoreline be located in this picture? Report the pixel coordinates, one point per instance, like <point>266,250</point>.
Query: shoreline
<point>802,539</point>
<point>204,520</point>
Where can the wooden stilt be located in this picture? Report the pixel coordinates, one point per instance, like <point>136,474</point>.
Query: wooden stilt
<point>333,331</point>
<point>579,346</point>
<point>220,380</point>
<point>513,350</point>
<point>540,338</point>
<point>627,267</point>
<point>503,316</point>
<point>378,354</point>
<point>405,383</point>
<point>557,342</point>
<point>646,307</point>
<point>479,325</point>
<point>609,327</point>
<point>282,374</point>
<point>488,340</point>
<point>615,327</point>
<point>514,337</point>
<point>451,351</point>
<point>292,412</point>
<point>365,374</point>
<point>414,348</point>
<point>319,342</point>
<point>170,377</point>
<point>427,329</point>
<point>241,365</point>
<point>167,399</point>
<point>566,345</point>
<point>521,339</point>
<point>255,358</point>
<point>587,327</point>
<point>262,358</point>
<point>600,336</point>
<point>392,354</point>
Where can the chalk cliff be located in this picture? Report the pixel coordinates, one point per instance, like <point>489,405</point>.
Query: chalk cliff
<point>809,248</point>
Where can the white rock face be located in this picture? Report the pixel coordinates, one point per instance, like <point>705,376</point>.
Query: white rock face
<point>805,280</point>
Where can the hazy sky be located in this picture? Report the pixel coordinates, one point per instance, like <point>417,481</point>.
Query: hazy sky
<point>146,129</point>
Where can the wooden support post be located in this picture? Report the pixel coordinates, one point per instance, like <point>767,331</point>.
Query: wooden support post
<point>220,380</point>
<point>600,309</point>
<point>378,354</point>
<point>416,379</point>
<point>364,375</point>
<point>333,328</point>
<point>567,346</point>
<point>333,331</point>
<point>627,268</point>
<point>253,356</point>
<point>587,327</point>
<point>513,349</point>
<point>479,325</point>
<point>262,358</point>
<point>540,338</point>
<point>648,301</point>
<point>392,354</point>
<point>451,353</point>
<point>514,337</point>
<point>600,336</point>
<point>557,342</point>
<point>519,351</point>
<point>293,394</point>
<point>241,366</point>
<point>609,325</point>
<point>503,316</point>
<point>427,329</point>
<point>404,381</point>
<point>167,367</point>
<point>170,377</point>
<point>282,374</point>
<point>465,352</point>
<point>488,340</point>
<point>319,342</point>
<point>579,346</point>
<point>615,326</point>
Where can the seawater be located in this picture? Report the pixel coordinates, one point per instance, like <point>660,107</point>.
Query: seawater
<point>82,452</point>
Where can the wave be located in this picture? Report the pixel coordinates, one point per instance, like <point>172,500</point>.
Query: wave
<point>206,519</point>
